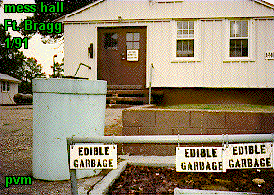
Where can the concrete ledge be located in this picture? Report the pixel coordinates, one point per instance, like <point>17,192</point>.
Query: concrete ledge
<point>153,161</point>
<point>178,191</point>
<point>103,186</point>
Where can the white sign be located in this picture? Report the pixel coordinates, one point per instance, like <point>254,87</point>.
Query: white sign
<point>132,55</point>
<point>199,159</point>
<point>86,156</point>
<point>248,155</point>
<point>269,55</point>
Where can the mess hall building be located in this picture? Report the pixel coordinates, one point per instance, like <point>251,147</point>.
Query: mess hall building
<point>215,51</point>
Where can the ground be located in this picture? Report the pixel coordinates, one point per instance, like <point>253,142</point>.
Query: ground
<point>16,149</point>
<point>156,180</point>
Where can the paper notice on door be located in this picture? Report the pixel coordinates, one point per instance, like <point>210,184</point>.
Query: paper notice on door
<point>132,55</point>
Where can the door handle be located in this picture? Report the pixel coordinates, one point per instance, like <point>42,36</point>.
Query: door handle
<point>123,56</point>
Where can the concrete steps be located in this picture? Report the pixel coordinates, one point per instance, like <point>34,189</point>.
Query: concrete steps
<point>123,97</point>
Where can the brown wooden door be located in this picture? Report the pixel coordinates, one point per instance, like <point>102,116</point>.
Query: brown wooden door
<point>122,56</point>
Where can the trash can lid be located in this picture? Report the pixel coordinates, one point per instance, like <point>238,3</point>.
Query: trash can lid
<point>69,86</point>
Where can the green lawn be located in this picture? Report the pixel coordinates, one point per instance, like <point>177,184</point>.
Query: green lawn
<point>238,107</point>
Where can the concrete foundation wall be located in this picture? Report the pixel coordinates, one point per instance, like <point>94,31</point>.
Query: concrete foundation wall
<point>141,121</point>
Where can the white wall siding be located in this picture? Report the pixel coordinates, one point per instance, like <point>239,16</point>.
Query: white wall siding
<point>265,42</point>
<point>77,40</point>
<point>206,72</point>
<point>213,70</point>
<point>158,53</point>
<point>212,52</point>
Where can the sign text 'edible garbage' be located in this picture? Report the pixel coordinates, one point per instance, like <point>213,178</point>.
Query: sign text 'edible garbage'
<point>93,156</point>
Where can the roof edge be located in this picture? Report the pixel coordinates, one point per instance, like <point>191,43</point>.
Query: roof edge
<point>267,4</point>
<point>62,18</point>
<point>84,8</point>
<point>6,77</point>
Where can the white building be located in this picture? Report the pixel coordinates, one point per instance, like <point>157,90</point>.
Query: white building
<point>9,87</point>
<point>201,51</point>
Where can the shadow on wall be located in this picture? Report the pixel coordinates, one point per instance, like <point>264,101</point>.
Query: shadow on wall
<point>257,96</point>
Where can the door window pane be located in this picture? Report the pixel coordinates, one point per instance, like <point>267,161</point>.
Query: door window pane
<point>132,40</point>
<point>129,37</point>
<point>135,45</point>
<point>129,45</point>
<point>111,41</point>
<point>136,36</point>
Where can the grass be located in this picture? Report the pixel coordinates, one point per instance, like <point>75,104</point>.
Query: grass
<point>233,107</point>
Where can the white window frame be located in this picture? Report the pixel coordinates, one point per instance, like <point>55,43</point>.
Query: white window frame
<point>5,86</point>
<point>250,38</point>
<point>196,39</point>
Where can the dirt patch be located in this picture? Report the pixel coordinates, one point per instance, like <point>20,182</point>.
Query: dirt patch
<point>151,180</point>
<point>16,151</point>
<point>113,121</point>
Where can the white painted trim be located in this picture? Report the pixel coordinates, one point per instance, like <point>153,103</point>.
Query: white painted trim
<point>251,42</point>
<point>125,21</point>
<point>197,44</point>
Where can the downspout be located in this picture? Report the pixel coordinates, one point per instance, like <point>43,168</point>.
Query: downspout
<point>150,81</point>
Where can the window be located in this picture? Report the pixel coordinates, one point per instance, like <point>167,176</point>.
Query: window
<point>132,41</point>
<point>239,38</point>
<point>185,39</point>
<point>5,86</point>
<point>111,41</point>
